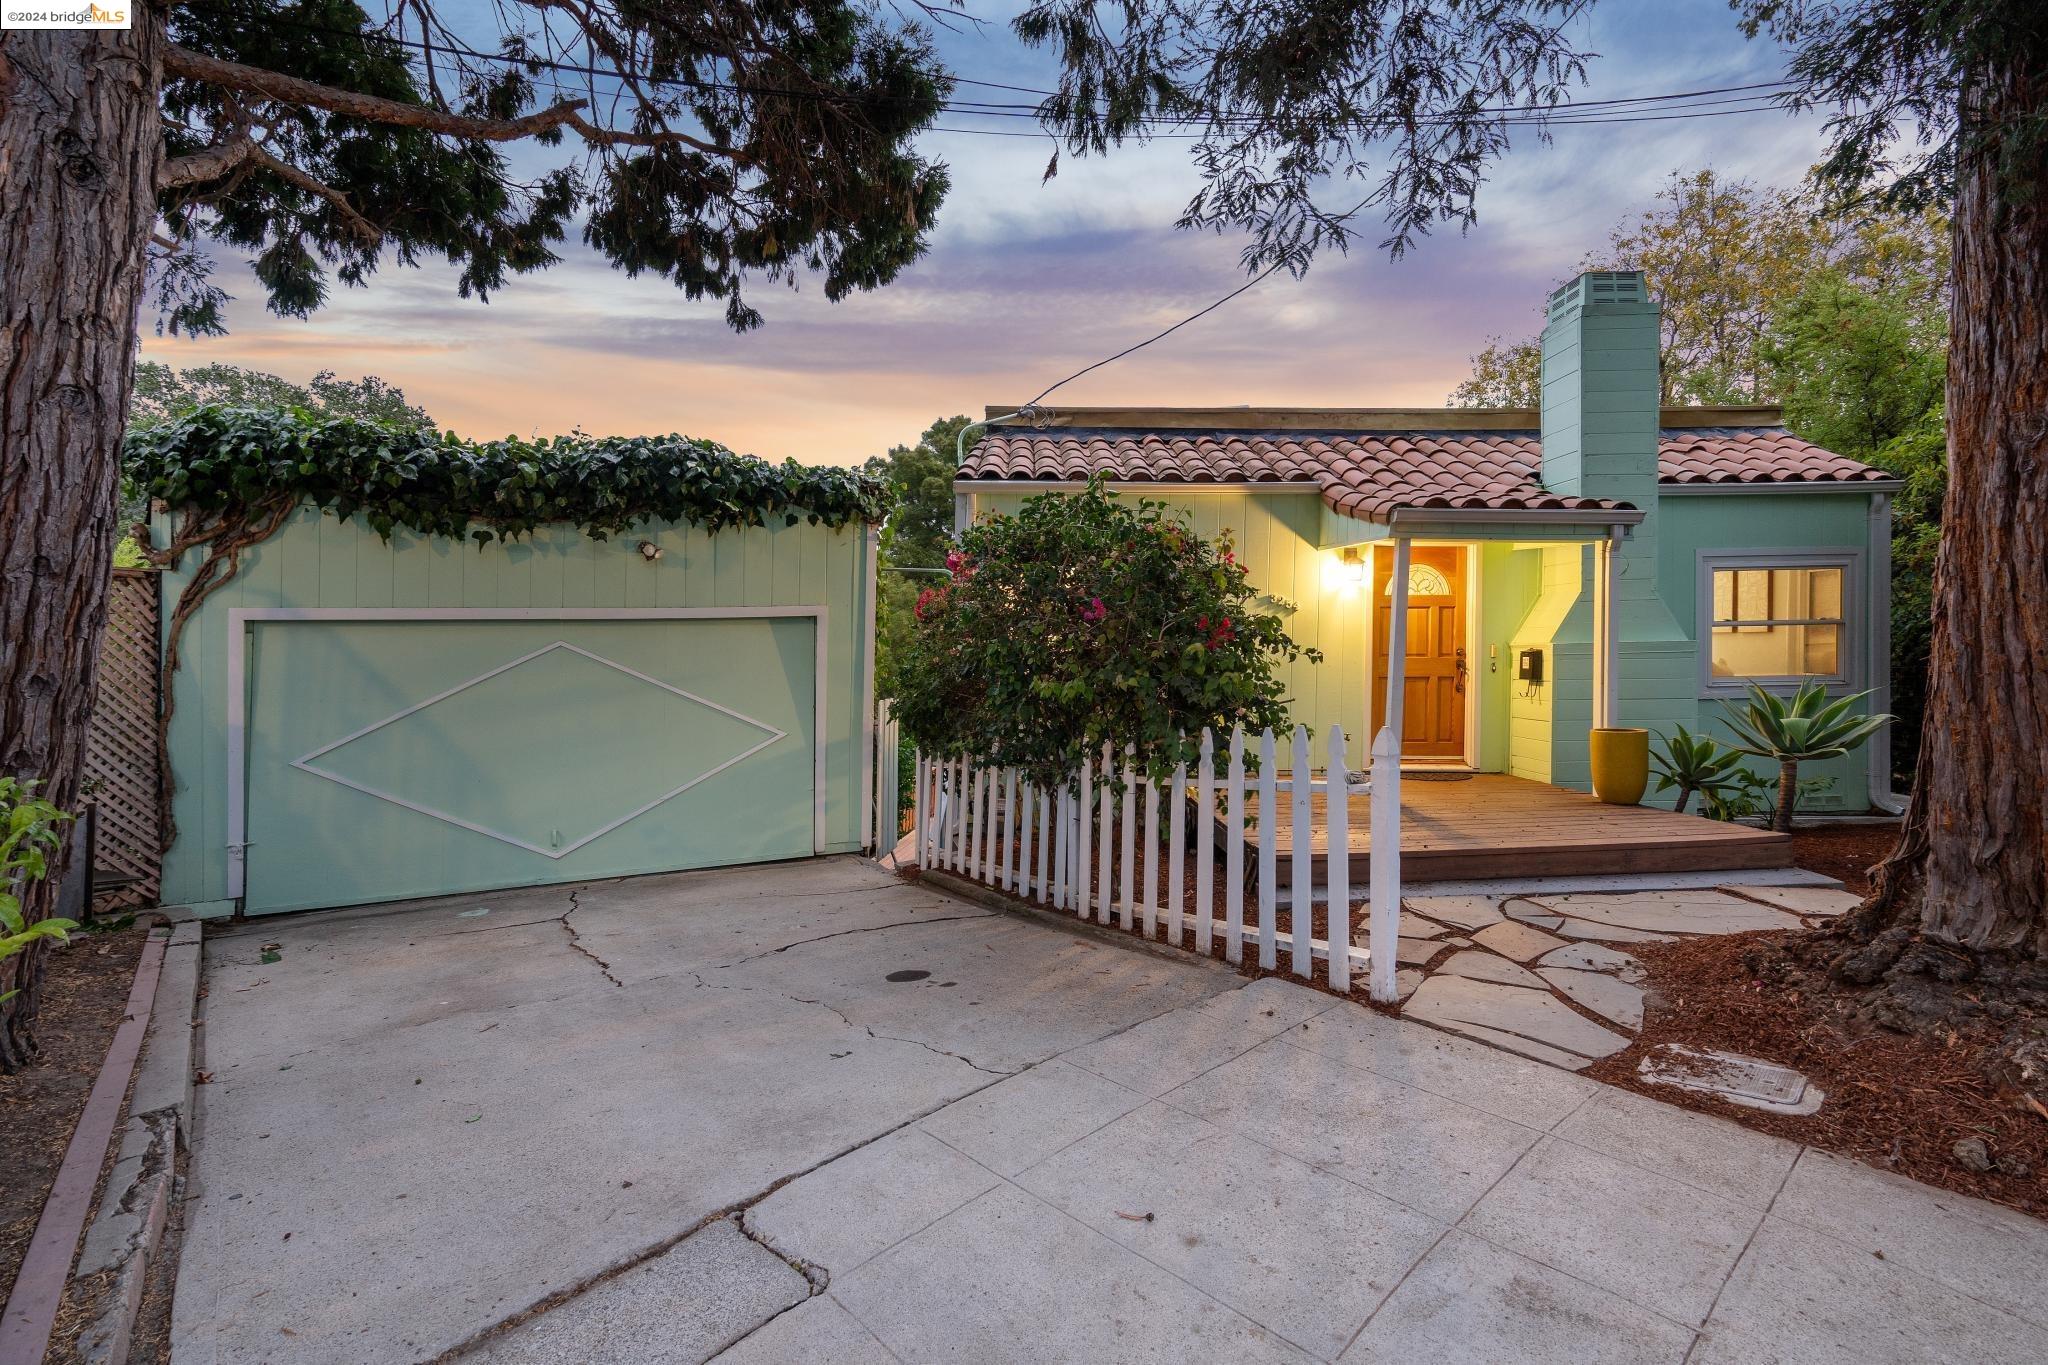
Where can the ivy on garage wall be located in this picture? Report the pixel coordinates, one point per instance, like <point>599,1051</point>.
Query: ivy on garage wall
<point>225,460</point>
<point>236,475</point>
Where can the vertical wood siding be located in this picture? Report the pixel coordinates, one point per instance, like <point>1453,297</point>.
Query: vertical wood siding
<point>319,561</point>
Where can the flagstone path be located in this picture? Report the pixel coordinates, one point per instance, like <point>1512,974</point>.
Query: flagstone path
<point>1524,972</point>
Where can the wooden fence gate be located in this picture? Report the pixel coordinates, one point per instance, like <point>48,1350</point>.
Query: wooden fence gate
<point>121,750</point>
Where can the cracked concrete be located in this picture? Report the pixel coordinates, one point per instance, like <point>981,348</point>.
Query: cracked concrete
<point>426,1121</point>
<point>576,942</point>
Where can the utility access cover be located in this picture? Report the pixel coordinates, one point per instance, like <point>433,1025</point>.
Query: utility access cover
<point>1748,1081</point>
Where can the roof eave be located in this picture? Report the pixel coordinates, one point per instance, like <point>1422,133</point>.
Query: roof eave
<point>1725,487</point>
<point>1516,516</point>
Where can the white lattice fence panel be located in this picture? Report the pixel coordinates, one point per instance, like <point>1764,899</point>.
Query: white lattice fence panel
<point>121,751</point>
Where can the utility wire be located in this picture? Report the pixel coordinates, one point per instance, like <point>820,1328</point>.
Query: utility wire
<point>1564,113</point>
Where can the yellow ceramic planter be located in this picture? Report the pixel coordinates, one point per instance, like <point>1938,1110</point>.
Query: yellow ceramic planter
<point>1621,765</point>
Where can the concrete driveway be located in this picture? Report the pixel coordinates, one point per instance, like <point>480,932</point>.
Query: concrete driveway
<point>424,1124</point>
<point>425,1120</point>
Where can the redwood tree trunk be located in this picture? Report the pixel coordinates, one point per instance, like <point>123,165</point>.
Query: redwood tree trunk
<point>79,148</point>
<point>1971,871</point>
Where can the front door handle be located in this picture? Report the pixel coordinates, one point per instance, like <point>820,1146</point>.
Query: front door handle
<point>1461,668</point>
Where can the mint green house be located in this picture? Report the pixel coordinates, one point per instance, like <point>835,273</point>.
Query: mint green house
<point>360,720</point>
<point>1601,561</point>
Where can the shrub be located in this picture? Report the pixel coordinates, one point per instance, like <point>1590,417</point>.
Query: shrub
<point>28,833</point>
<point>1083,618</point>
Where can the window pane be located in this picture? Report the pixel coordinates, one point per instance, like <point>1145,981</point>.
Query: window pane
<point>1825,587</point>
<point>1776,651</point>
<point>1756,595</point>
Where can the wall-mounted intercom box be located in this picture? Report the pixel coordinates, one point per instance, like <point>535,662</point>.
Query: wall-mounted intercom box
<point>1529,667</point>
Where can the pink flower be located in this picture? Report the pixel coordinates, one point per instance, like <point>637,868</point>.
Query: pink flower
<point>1094,611</point>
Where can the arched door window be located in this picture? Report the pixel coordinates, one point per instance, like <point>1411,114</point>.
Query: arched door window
<point>1424,580</point>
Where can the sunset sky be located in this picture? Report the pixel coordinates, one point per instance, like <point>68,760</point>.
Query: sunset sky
<point>1026,282</point>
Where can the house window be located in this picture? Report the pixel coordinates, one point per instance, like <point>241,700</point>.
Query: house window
<point>1776,619</point>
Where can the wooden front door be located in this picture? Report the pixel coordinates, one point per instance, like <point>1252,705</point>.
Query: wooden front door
<point>1433,709</point>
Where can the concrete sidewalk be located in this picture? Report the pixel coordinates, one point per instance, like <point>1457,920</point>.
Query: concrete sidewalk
<point>1274,1174</point>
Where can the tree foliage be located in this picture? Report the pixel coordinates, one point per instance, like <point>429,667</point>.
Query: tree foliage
<point>1854,367</point>
<point>917,535</point>
<point>1411,100</point>
<point>708,144</point>
<point>240,460</point>
<point>1860,371</point>
<point>1088,618</point>
<point>163,394</point>
<point>1723,257</point>
<point>920,482</point>
<point>1506,374</point>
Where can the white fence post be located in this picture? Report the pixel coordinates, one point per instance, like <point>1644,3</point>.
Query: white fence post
<point>957,852</point>
<point>989,779</point>
<point>1301,903</point>
<point>1009,862</point>
<point>1205,844</point>
<point>1127,899</point>
<point>1151,892</point>
<point>1269,818</point>
<point>1044,847</point>
<point>1176,851</point>
<point>1385,894</point>
<point>1337,817</point>
<point>1063,877</point>
<point>1233,855</point>
<point>1105,854</point>
<point>1084,815</point>
<point>917,810</point>
<point>971,845</point>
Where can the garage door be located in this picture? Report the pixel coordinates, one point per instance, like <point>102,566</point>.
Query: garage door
<point>390,759</point>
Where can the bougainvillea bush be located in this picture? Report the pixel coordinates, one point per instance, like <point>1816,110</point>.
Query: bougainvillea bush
<point>1083,618</point>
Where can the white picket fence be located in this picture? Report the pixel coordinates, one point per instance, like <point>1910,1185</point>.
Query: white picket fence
<point>983,821</point>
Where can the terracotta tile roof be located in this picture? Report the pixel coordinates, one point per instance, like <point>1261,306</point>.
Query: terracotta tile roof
<point>1370,474</point>
<point>1752,455</point>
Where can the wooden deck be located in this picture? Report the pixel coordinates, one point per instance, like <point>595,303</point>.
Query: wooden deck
<point>1499,826</point>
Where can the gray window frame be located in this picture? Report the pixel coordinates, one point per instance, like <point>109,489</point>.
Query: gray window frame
<point>1855,602</point>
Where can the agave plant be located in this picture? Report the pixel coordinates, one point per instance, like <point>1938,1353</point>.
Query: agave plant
<point>1693,763</point>
<point>1806,725</point>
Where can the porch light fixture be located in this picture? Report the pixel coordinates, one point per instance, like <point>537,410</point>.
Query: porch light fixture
<point>1354,565</point>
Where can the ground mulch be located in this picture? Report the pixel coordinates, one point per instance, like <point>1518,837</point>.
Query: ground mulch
<point>84,998</point>
<point>1846,852</point>
<point>1895,1101</point>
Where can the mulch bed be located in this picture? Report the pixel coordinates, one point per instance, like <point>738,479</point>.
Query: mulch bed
<point>83,1001</point>
<point>1895,1101</point>
<point>1845,852</point>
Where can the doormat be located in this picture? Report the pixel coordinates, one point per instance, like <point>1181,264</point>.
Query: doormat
<point>1433,775</point>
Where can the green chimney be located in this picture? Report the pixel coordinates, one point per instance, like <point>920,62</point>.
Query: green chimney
<point>1600,389</point>
<point>1601,393</point>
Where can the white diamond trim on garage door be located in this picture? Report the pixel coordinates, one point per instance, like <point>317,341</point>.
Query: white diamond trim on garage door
<point>305,763</point>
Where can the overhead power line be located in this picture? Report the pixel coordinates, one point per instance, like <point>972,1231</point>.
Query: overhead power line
<point>1667,106</point>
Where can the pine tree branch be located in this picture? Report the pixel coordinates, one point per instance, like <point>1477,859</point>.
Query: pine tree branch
<point>197,66</point>
<point>209,163</point>
<point>364,228</point>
